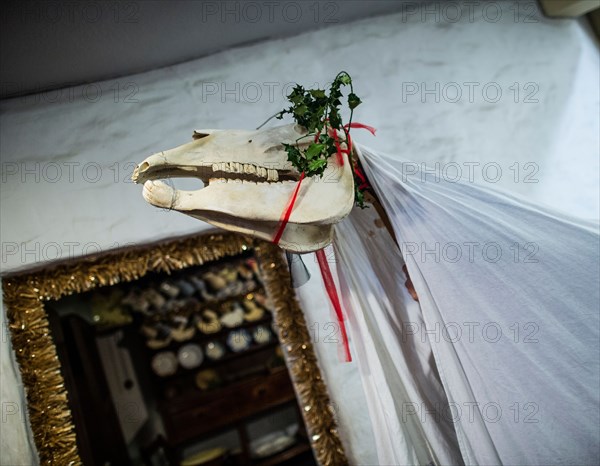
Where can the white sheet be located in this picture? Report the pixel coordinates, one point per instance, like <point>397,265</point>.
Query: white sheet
<point>398,375</point>
<point>509,294</point>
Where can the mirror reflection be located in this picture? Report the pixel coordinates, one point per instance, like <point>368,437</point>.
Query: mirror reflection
<point>179,369</point>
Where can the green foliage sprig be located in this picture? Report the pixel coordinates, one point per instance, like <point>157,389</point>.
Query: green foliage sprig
<point>318,113</point>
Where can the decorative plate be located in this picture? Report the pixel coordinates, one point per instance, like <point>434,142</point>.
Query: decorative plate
<point>164,364</point>
<point>214,350</point>
<point>190,356</point>
<point>239,340</point>
<point>261,334</point>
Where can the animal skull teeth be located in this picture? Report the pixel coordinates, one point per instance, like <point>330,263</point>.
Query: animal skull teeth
<point>250,172</point>
<point>228,170</point>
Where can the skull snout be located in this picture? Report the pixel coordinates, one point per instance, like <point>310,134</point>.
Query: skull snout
<point>171,165</point>
<point>142,172</point>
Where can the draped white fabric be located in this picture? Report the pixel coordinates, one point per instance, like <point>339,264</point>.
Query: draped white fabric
<point>398,374</point>
<point>508,316</point>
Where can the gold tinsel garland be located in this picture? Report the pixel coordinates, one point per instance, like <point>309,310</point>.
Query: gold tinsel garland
<point>302,361</point>
<point>49,413</point>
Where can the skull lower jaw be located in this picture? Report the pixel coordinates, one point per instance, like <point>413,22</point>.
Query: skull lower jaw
<point>295,238</point>
<point>236,210</point>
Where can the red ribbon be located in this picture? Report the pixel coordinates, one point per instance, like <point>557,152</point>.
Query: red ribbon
<point>334,298</point>
<point>349,142</point>
<point>321,258</point>
<point>285,218</point>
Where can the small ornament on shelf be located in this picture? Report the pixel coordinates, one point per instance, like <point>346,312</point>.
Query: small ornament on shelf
<point>233,318</point>
<point>214,350</point>
<point>209,322</point>
<point>253,311</point>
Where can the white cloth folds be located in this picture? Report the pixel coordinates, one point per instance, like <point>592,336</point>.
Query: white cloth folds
<point>498,363</point>
<point>399,377</point>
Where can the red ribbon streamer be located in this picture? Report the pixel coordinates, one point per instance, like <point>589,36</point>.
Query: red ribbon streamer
<point>334,298</point>
<point>321,258</point>
<point>288,211</point>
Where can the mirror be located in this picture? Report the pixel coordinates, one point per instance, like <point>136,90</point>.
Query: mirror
<point>174,353</point>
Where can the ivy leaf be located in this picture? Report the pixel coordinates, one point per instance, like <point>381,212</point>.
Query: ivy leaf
<point>295,98</point>
<point>300,110</point>
<point>298,90</point>
<point>293,153</point>
<point>316,164</point>
<point>334,94</point>
<point>335,120</point>
<point>319,112</point>
<point>359,198</point>
<point>314,150</point>
<point>345,79</point>
<point>353,101</point>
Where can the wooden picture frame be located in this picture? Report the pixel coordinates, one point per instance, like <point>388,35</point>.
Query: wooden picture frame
<point>25,295</point>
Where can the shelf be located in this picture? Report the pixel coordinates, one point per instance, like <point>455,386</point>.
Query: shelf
<point>207,305</point>
<point>200,337</point>
<point>259,288</point>
<point>282,456</point>
<point>209,364</point>
<point>197,396</point>
<point>231,356</point>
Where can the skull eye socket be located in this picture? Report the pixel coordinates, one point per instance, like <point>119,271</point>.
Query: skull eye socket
<point>277,148</point>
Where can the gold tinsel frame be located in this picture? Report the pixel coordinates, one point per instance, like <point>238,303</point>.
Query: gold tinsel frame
<point>47,398</point>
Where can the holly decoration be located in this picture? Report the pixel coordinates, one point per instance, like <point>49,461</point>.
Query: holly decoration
<point>319,113</point>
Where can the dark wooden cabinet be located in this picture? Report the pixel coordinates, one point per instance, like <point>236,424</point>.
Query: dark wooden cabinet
<point>253,383</point>
<point>186,420</point>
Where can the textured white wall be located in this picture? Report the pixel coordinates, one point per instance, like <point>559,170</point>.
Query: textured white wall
<point>66,159</point>
<point>70,43</point>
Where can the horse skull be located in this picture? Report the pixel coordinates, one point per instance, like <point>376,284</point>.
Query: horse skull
<point>248,183</point>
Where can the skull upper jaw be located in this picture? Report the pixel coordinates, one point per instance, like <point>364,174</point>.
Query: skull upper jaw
<point>198,158</point>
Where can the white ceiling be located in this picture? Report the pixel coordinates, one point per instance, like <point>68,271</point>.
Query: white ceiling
<point>53,44</point>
